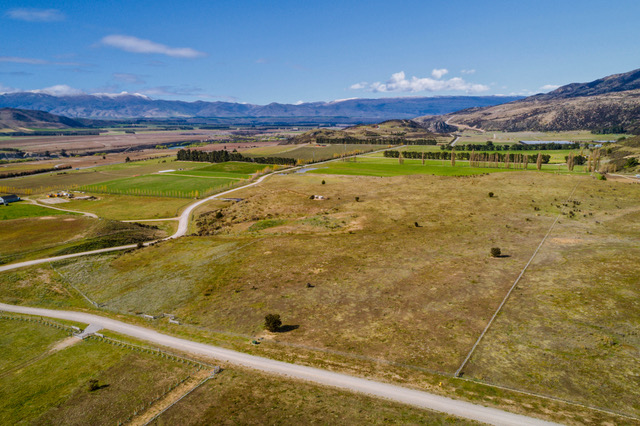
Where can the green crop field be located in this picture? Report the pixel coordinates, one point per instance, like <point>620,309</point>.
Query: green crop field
<point>126,207</point>
<point>164,185</point>
<point>22,209</point>
<point>71,179</point>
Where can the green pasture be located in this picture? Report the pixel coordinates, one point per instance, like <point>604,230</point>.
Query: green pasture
<point>162,186</point>
<point>373,166</point>
<point>310,152</point>
<point>43,386</point>
<point>23,210</point>
<point>236,167</point>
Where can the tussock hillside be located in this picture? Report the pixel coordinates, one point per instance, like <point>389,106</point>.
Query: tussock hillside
<point>607,104</point>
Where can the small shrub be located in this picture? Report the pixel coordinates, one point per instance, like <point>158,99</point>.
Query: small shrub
<point>417,225</point>
<point>323,182</point>
<point>495,252</point>
<point>140,244</point>
<point>93,385</point>
<point>272,322</point>
<point>357,199</point>
<point>602,177</point>
<point>491,195</point>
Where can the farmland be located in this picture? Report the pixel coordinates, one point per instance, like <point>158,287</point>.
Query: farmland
<point>381,304</point>
<point>23,210</point>
<point>310,152</point>
<point>392,267</point>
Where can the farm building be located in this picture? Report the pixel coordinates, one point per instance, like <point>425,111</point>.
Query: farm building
<point>9,198</point>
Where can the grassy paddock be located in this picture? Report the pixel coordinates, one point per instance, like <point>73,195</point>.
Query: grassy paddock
<point>54,388</point>
<point>386,167</point>
<point>125,207</point>
<point>163,186</point>
<point>250,397</point>
<point>21,210</point>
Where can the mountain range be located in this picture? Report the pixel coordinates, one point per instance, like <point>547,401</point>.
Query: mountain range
<point>610,105</point>
<point>125,105</point>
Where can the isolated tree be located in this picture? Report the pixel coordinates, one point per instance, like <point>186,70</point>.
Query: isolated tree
<point>400,158</point>
<point>539,161</point>
<point>423,158</point>
<point>495,252</point>
<point>272,322</point>
<point>453,158</point>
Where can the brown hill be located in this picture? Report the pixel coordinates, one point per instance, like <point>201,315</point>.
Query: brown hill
<point>24,120</point>
<point>609,103</point>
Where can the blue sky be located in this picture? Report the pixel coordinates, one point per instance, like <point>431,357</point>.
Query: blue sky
<point>290,51</point>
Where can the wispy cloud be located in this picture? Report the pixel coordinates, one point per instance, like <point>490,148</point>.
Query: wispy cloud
<point>262,61</point>
<point>549,87</point>
<point>439,73</point>
<point>17,73</point>
<point>19,60</point>
<point>399,83</point>
<point>36,61</point>
<point>138,45</point>
<point>35,15</point>
<point>471,71</point>
<point>173,91</point>
<point>126,77</point>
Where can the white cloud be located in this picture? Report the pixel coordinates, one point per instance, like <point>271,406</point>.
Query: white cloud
<point>138,45</point>
<point>549,87</point>
<point>128,78</point>
<point>399,83</point>
<point>358,86</point>
<point>6,89</point>
<point>35,15</point>
<point>439,73</point>
<point>59,90</point>
<point>471,71</point>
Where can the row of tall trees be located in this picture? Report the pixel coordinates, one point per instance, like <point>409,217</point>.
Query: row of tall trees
<point>224,155</point>
<point>486,157</point>
<point>489,146</point>
<point>375,141</point>
<point>32,172</point>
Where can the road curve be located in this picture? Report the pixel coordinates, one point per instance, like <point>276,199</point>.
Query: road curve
<point>343,381</point>
<point>183,225</point>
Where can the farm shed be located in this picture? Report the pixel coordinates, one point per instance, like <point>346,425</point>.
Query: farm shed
<point>8,198</point>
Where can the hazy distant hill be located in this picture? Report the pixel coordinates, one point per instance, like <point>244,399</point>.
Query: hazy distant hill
<point>138,106</point>
<point>612,102</point>
<point>22,119</point>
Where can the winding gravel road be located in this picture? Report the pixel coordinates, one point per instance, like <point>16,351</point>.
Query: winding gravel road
<point>387,391</point>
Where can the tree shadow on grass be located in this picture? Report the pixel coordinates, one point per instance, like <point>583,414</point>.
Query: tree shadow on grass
<point>286,328</point>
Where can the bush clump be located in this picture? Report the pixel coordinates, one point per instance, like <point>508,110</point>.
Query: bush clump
<point>272,322</point>
<point>495,252</point>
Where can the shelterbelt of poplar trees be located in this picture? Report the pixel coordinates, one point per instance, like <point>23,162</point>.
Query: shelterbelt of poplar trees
<point>446,155</point>
<point>379,141</point>
<point>489,146</point>
<point>224,155</point>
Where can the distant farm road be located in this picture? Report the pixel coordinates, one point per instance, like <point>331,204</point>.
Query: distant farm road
<point>387,391</point>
